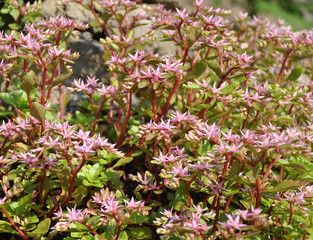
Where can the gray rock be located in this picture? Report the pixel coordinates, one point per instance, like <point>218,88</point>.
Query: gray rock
<point>50,8</point>
<point>78,13</point>
<point>91,62</point>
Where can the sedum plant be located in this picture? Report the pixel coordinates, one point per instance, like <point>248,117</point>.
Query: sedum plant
<point>14,14</point>
<point>212,142</point>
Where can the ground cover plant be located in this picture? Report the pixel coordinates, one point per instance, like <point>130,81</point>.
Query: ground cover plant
<point>213,142</point>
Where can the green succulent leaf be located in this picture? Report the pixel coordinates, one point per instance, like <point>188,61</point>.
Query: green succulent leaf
<point>42,228</point>
<point>38,111</point>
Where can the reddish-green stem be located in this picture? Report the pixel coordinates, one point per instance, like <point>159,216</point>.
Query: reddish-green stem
<point>29,102</point>
<point>72,181</point>
<point>246,119</point>
<point>181,36</point>
<point>50,82</point>
<point>190,93</point>
<point>167,103</point>
<point>91,229</point>
<point>119,225</point>
<point>228,202</point>
<point>258,192</point>
<point>61,102</point>
<point>221,59</point>
<point>288,51</point>
<point>281,173</point>
<point>269,168</point>
<point>209,99</point>
<point>261,158</point>
<point>42,181</point>
<point>129,113</point>
<point>43,86</point>
<point>98,20</point>
<point>213,203</point>
<point>60,94</point>
<point>153,104</point>
<point>188,183</point>
<point>149,197</point>
<point>217,212</point>
<point>291,213</point>
<point>269,117</point>
<point>226,116</point>
<point>28,96</point>
<point>97,116</point>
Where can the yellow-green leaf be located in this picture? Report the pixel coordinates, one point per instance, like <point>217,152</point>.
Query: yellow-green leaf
<point>38,111</point>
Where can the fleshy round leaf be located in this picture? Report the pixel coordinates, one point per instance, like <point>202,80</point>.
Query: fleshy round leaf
<point>285,185</point>
<point>123,161</point>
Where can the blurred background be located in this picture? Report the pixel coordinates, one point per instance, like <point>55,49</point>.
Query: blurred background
<point>297,13</point>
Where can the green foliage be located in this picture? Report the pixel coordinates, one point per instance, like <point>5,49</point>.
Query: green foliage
<point>288,10</point>
<point>213,141</point>
<point>14,18</point>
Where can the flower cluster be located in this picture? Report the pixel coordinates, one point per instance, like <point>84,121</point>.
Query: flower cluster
<point>211,141</point>
<point>107,207</point>
<point>187,223</point>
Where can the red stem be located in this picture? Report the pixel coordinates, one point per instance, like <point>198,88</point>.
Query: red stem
<point>22,234</point>
<point>226,164</point>
<point>228,202</point>
<point>72,182</point>
<point>29,102</point>
<point>181,36</point>
<point>135,147</point>
<point>149,196</point>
